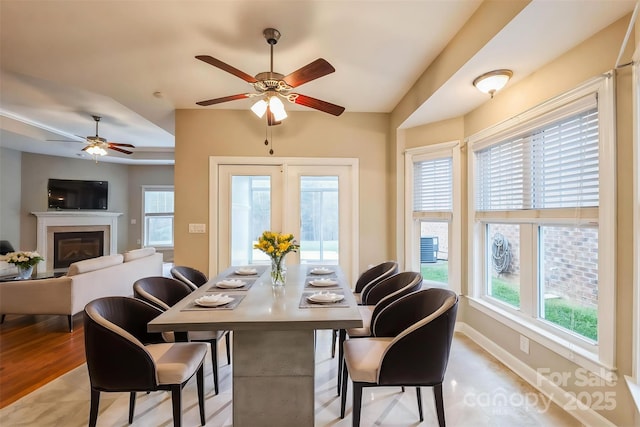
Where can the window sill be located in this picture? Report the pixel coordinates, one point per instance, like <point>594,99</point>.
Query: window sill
<point>558,345</point>
<point>634,390</point>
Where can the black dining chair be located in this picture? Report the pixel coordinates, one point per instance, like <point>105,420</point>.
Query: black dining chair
<point>410,346</point>
<point>370,277</point>
<point>190,276</point>
<point>376,298</point>
<point>123,357</point>
<point>164,292</point>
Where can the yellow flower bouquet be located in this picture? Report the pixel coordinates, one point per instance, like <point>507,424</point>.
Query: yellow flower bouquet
<point>276,246</point>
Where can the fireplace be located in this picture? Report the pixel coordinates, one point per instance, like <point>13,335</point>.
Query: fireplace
<point>69,247</point>
<point>80,225</point>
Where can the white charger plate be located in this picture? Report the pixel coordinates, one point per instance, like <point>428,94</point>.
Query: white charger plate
<point>323,282</point>
<point>230,284</point>
<point>204,302</point>
<point>325,298</point>
<point>321,271</point>
<point>246,271</point>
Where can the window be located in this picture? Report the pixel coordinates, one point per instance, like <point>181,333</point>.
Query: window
<point>158,216</point>
<point>543,223</point>
<point>432,200</point>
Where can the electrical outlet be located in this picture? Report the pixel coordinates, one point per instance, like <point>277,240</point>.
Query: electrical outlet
<point>524,344</point>
<point>133,221</point>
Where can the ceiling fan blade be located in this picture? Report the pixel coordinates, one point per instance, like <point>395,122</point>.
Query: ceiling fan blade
<point>86,148</point>
<point>223,99</point>
<point>317,104</point>
<point>117,144</point>
<point>312,71</point>
<point>226,67</point>
<point>120,150</point>
<point>63,140</point>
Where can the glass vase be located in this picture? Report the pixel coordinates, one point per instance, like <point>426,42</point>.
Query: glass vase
<point>278,272</point>
<point>24,273</point>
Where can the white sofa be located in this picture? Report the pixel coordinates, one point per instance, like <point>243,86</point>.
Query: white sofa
<point>110,275</point>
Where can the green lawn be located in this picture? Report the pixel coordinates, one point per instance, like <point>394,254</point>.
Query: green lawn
<point>437,272</point>
<point>581,320</point>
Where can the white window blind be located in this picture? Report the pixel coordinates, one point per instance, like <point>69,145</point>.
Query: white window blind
<point>554,166</point>
<point>433,185</point>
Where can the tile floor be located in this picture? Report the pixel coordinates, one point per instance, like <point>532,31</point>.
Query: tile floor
<point>476,385</point>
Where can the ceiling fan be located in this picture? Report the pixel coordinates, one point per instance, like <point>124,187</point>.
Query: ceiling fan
<point>97,146</point>
<point>270,86</point>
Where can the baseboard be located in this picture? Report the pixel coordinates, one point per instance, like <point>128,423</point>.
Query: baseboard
<point>559,396</point>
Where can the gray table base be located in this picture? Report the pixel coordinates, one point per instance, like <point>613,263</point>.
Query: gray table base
<point>273,378</point>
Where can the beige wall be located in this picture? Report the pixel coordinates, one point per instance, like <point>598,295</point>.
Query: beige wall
<point>139,176</point>
<point>204,133</point>
<point>36,171</point>
<point>10,188</point>
<point>592,58</point>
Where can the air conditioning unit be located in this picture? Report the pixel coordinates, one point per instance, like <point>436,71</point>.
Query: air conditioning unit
<point>428,249</point>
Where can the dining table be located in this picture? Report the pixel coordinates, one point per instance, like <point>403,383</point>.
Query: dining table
<point>273,352</point>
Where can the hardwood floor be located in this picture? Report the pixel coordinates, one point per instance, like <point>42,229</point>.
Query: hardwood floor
<point>35,350</point>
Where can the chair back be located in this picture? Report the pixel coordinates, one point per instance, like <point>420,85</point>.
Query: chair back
<point>190,276</point>
<point>392,288</point>
<point>161,292</point>
<point>375,274</point>
<point>115,331</point>
<point>423,324</point>
<point>6,247</point>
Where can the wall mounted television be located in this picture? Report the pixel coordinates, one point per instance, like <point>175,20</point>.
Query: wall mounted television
<point>77,195</point>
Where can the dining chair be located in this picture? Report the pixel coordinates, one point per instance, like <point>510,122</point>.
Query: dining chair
<point>163,293</point>
<point>190,276</point>
<point>410,346</point>
<point>376,298</point>
<point>123,357</point>
<point>370,277</point>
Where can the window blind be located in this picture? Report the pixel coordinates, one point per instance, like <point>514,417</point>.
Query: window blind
<point>555,166</point>
<point>433,185</point>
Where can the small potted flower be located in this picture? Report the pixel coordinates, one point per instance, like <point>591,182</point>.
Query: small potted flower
<point>24,261</point>
<point>276,246</point>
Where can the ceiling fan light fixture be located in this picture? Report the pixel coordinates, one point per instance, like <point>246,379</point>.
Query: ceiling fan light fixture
<point>259,108</point>
<point>492,81</point>
<point>96,150</point>
<point>277,108</point>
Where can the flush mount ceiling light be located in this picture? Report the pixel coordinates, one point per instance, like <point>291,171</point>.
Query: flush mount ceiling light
<point>492,81</point>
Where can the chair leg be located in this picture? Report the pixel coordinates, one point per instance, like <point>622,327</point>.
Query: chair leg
<point>341,340</point>
<point>343,397</point>
<point>419,396</point>
<point>176,403</point>
<point>214,363</point>
<point>132,406</point>
<point>357,403</point>
<point>228,342</point>
<point>200,384</point>
<point>334,339</point>
<point>2,318</point>
<point>95,404</point>
<point>70,321</point>
<point>437,392</point>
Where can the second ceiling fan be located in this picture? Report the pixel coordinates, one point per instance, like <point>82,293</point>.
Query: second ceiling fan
<point>271,86</point>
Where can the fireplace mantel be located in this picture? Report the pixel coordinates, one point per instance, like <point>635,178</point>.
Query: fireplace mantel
<point>75,219</point>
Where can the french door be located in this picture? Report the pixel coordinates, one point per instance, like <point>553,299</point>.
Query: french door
<point>317,203</point>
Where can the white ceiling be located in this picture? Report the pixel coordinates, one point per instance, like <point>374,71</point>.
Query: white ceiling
<point>132,61</point>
